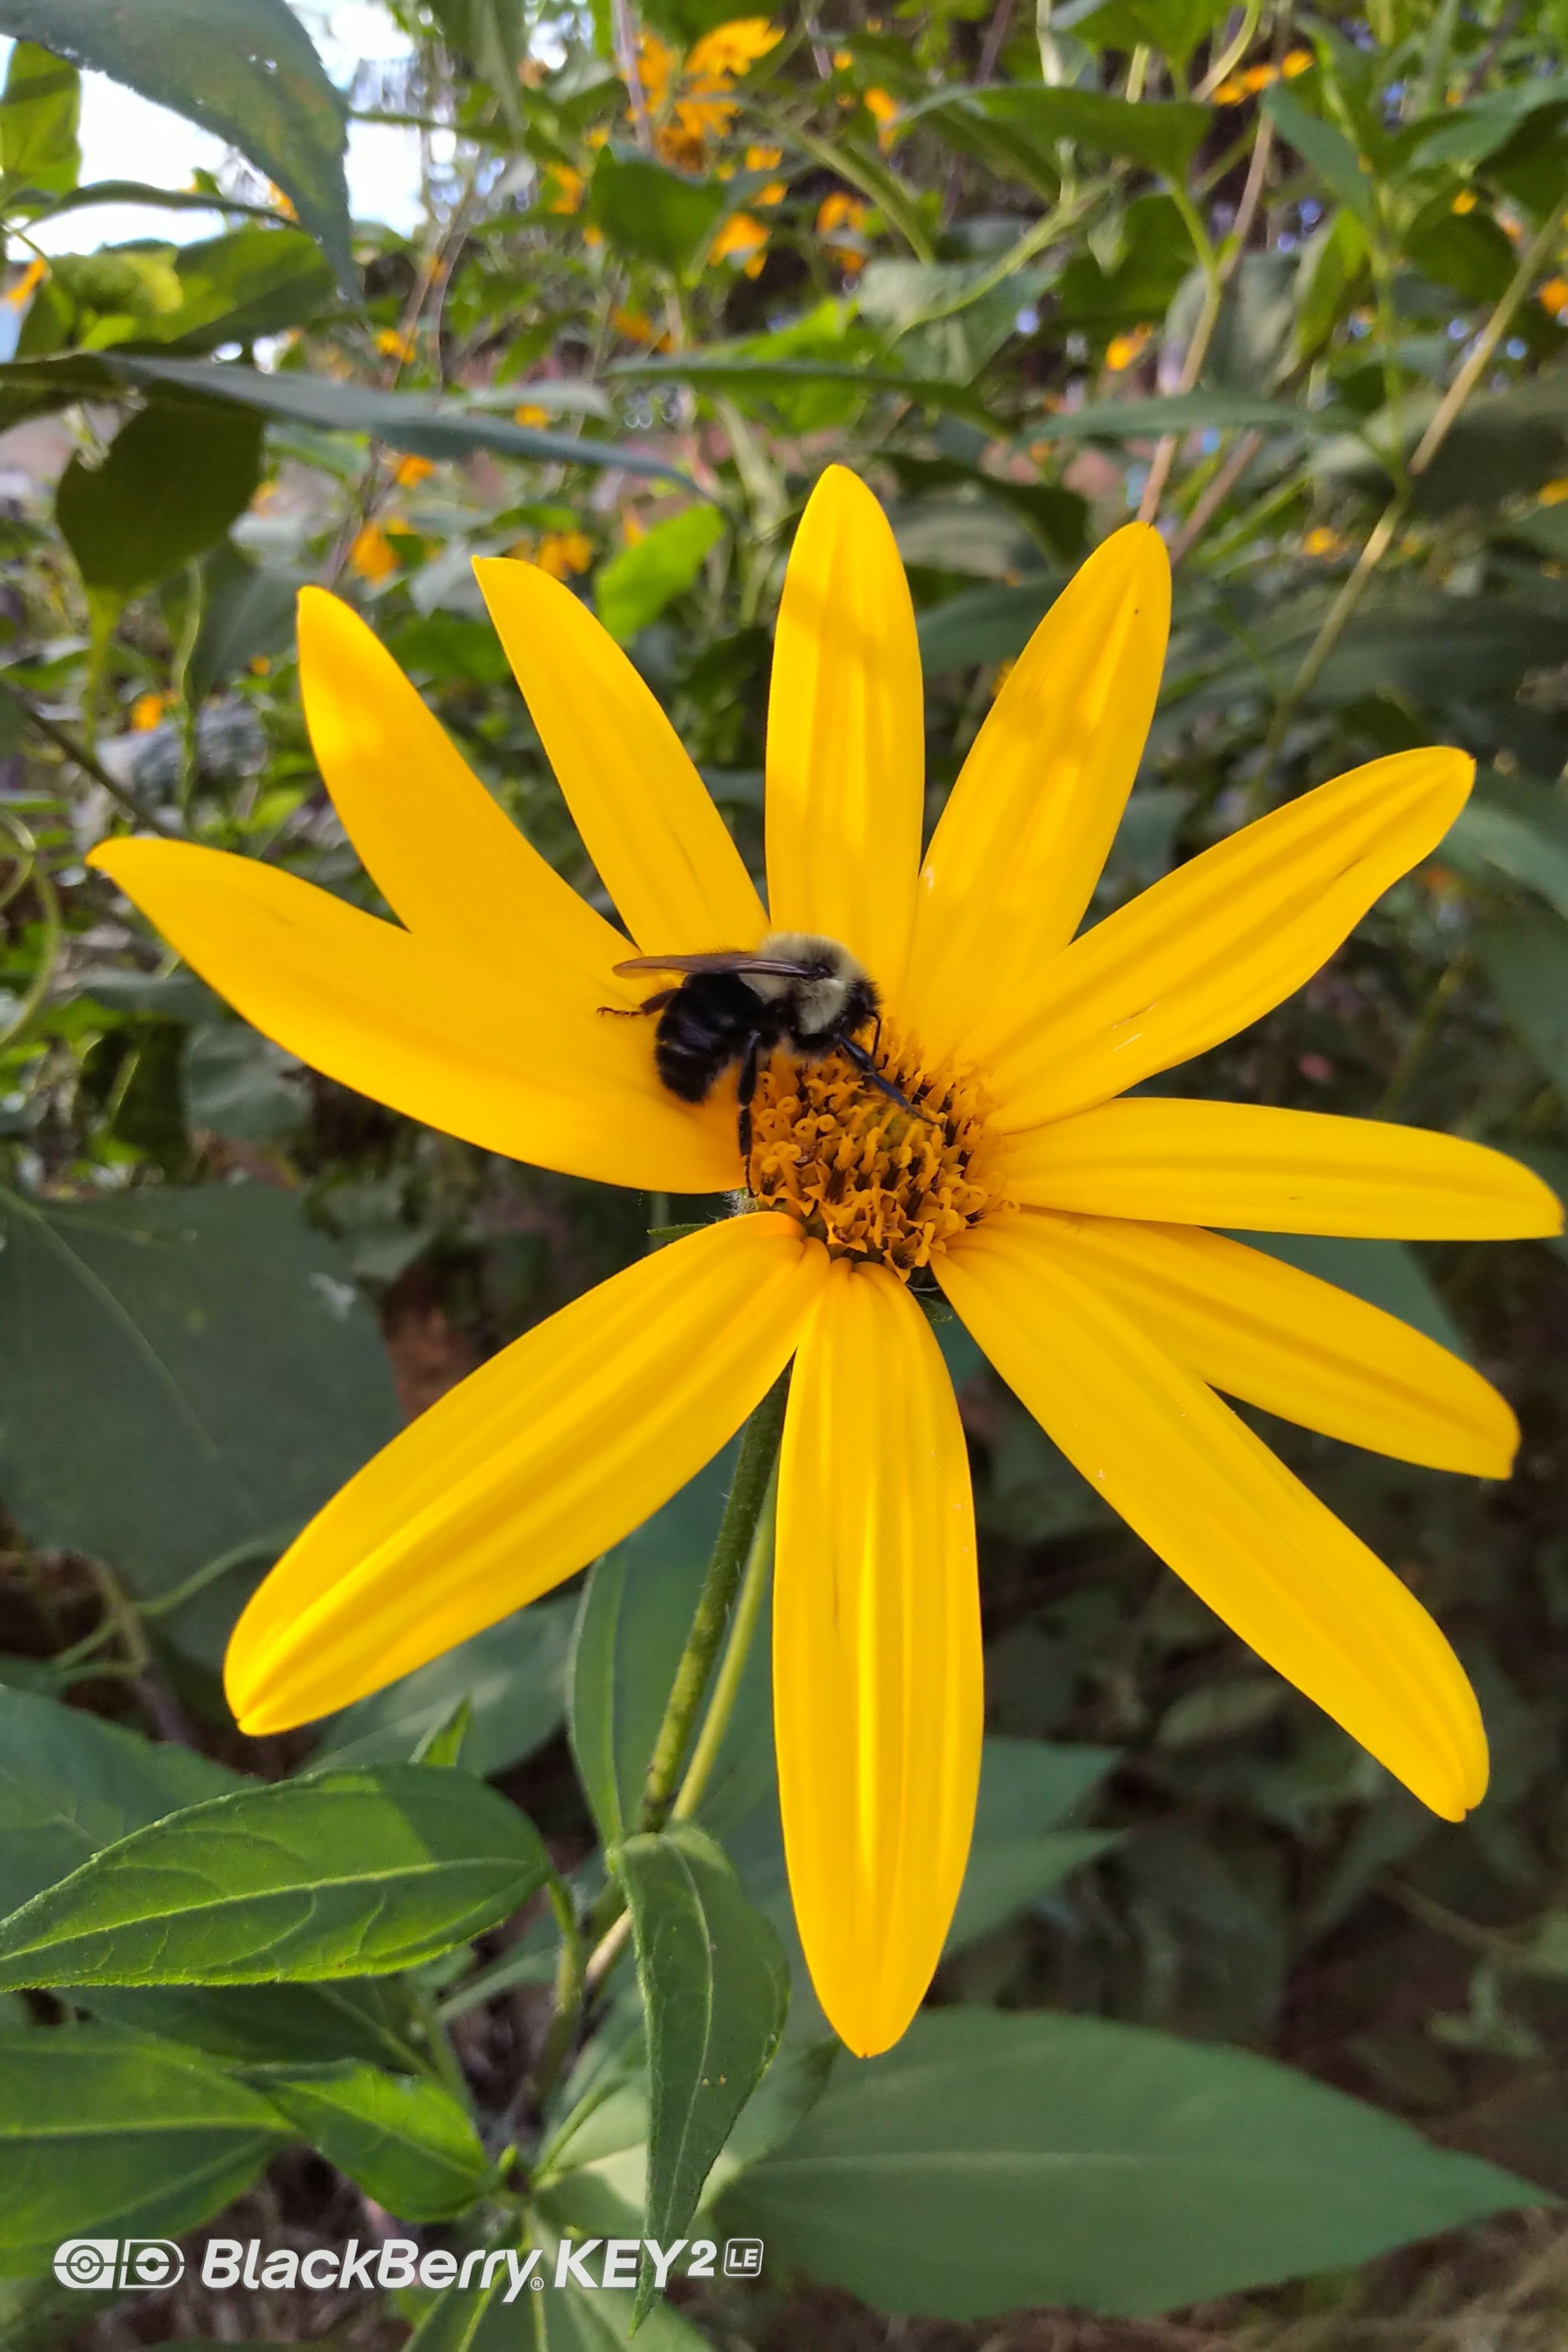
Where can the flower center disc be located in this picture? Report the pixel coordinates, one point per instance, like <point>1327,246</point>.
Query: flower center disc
<point>870,1179</point>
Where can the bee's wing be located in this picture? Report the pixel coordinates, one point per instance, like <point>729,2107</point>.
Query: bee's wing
<point>722,959</point>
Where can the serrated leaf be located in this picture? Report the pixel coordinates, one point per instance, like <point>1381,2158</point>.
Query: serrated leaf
<point>992,2162</point>
<point>103,2132</point>
<point>403,2138</point>
<point>344,1874</point>
<point>715,1988</point>
<point>242,69</point>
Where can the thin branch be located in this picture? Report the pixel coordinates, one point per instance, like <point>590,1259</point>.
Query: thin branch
<point>623,31</point>
<point>1214,495</point>
<point>77,752</point>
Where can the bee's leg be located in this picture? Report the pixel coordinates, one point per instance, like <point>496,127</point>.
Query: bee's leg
<point>745,1088</point>
<point>867,1069</point>
<point>655,1004</point>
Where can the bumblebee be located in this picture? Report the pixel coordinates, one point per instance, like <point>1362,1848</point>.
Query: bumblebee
<point>797,990</point>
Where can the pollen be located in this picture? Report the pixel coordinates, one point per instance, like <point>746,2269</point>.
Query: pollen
<point>872,1180</point>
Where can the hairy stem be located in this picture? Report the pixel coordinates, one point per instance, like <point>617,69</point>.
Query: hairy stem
<point>732,1672</point>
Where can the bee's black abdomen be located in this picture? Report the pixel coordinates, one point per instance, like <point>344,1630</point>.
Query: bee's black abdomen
<point>704,1029</point>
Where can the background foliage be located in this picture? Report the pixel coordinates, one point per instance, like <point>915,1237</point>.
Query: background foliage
<point>1297,282</point>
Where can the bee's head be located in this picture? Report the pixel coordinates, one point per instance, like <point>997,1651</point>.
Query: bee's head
<point>832,985</point>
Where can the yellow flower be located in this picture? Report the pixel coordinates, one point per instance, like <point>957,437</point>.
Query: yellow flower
<point>840,211</point>
<point>1230,92</point>
<point>1295,62</point>
<point>394,345</point>
<point>531,413</point>
<point>637,326</point>
<point>563,552</point>
<point>566,188</point>
<point>372,555</point>
<point>731,50</point>
<point>23,287</point>
<point>763,159</point>
<point>1123,352</point>
<point>1321,541</point>
<point>884,112</point>
<point>1553,297</point>
<point>147,711</point>
<point>1067,1227</point>
<point>1552,494</point>
<point>409,472</point>
<point>742,238</point>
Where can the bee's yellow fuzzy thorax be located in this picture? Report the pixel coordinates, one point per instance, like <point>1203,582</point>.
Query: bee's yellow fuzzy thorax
<point>869,1179</point>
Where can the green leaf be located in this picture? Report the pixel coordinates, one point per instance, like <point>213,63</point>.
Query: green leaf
<point>403,2138</point>
<point>304,2023</point>
<point>1160,134</point>
<point>652,213</point>
<point>71,1784</point>
<point>1526,960</point>
<point>188,1373</point>
<point>248,610</point>
<point>253,281</point>
<point>633,1620</point>
<point>40,110</point>
<point>633,587</point>
<point>345,1874</point>
<point>107,2134</point>
<point>1018,1853</point>
<point>1183,412</point>
<point>984,625</point>
<point>993,2161</point>
<point>743,376</point>
<point>1332,265</point>
<point>242,69</point>
<point>490,36</point>
<point>513,1675</point>
<point>171,485</point>
<point>445,1740</point>
<point>1172,26</point>
<point>1513,826</point>
<point>1324,147</point>
<point>715,1988</point>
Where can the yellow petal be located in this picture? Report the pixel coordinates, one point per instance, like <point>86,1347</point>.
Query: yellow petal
<point>878,1679</point>
<point>408,1025</point>
<point>445,857</point>
<point>1218,942</point>
<point>1277,1171</point>
<point>1275,1337</point>
<point>644,813</point>
<point>548,1453</point>
<point>1021,840</point>
<point>1210,1498</point>
<point>846,735</point>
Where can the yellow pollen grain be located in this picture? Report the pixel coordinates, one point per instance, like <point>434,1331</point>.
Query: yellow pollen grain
<point>873,1180</point>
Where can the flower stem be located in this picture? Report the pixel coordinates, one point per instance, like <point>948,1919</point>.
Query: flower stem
<point>732,1672</point>
<point>737,1529</point>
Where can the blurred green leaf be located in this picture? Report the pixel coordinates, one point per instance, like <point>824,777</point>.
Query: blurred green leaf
<point>354,2017</point>
<point>1019,1852</point>
<point>189,1372</point>
<point>1182,411</point>
<point>633,587</point>
<point>992,2162</point>
<point>107,2134</point>
<point>715,1987</point>
<point>1175,28</point>
<point>247,615</point>
<point>513,1675</point>
<point>1513,826</point>
<point>172,484</point>
<point>1162,134</point>
<point>404,2139</point>
<point>242,69</point>
<point>1526,959</point>
<point>1325,146</point>
<point>743,374</point>
<point>40,111</point>
<point>345,1874</point>
<point>653,214</point>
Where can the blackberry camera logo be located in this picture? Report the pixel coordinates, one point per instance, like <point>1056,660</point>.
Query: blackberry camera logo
<point>109,2263</point>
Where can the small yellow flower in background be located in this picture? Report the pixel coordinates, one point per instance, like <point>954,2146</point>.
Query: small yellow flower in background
<point>772,192</point>
<point>565,187</point>
<point>1553,297</point>
<point>1258,77</point>
<point>1464,202</point>
<point>372,555</point>
<point>637,326</point>
<point>531,413</point>
<point>1068,1223</point>
<point>731,50</point>
<point>23,287</point>
<point>840,211</point>
<point>280,201</point>
<point>1552,494</point>
<point>593,239</point>
<point>410,471</point>
<point>884,112</point>
<point>763,159</point>
<point>393,344</point>
<point>1230,92</point>
<point>842,59</point>
<point>1322,541</point>
<point>1123,352</point>
<point>1295,62</point>
<point>696,98</point>
<point>742,238</point>
<point>260,664</point>
<point>563,552</point>
<point>633,527</point>
<point>147,711</point>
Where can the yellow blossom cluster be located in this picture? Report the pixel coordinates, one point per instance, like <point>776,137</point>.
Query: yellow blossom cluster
<point>690,101</point>
<point>1237,88</point>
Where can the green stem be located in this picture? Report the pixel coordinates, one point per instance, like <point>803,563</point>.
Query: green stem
<point>732,1672</point>
<point>748,1492</point>
<point>566,2006</point>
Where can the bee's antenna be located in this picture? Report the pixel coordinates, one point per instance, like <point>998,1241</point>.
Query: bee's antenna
<point>867,1069</point>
